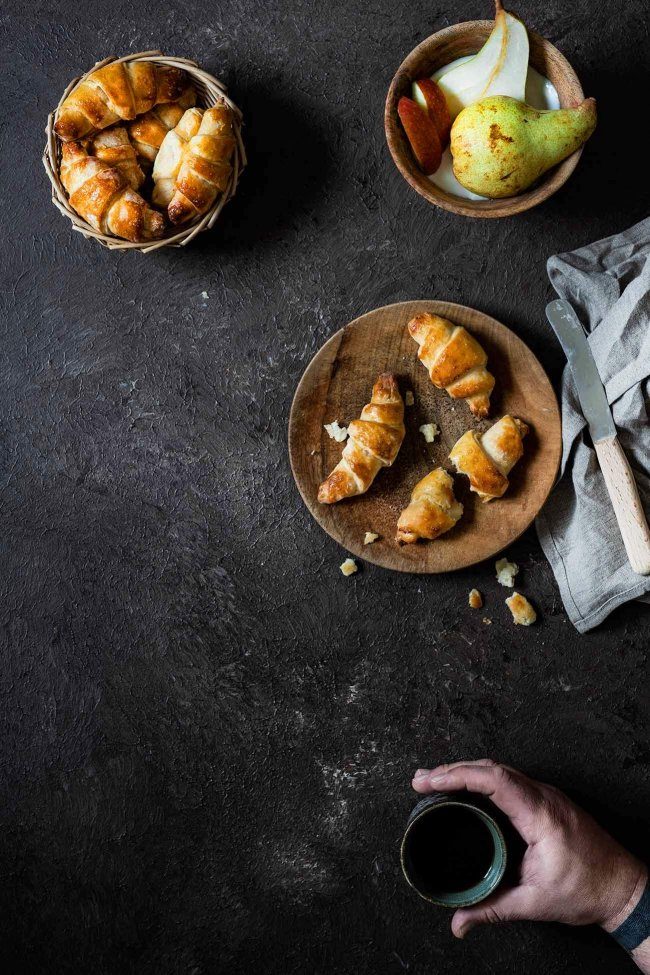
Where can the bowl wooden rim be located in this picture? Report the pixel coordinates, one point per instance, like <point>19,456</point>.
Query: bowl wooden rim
<point>210,91</point>
<point>400,150</point>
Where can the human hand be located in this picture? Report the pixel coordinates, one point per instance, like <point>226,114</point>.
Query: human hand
<point>572,870</point>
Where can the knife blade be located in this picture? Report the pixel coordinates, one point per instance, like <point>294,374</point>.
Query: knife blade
<point>616,471</point>
<point>591,392</point>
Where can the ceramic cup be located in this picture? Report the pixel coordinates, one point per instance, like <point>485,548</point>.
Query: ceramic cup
<point>435,824</point>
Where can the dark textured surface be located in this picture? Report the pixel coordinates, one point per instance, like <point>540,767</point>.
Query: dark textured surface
<point>207,732</point>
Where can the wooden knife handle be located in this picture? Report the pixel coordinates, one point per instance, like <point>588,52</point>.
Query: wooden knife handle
<point>624,495</point>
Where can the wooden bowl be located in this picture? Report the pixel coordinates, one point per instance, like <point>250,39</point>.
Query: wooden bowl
<point>337,384</point>
<point>442,48</point>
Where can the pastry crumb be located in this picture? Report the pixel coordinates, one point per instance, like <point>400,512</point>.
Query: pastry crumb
<point>475,599</point>
<point>487,620</point>
<point>336,432</point>
<point>409,398</point>
<point>349,567</point>
<point>429,431</point>
<point>205,295</point>
<point>522,612</point>
<point>506,572</point>
<point>370,537</point>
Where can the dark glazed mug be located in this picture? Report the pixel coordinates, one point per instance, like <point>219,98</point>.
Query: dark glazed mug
<point>453,851</point>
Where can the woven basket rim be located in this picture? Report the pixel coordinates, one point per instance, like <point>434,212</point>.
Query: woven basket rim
<point>52,159</point>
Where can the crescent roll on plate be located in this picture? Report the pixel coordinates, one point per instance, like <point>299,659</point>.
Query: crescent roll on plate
<point>194,163</point>
<point>373,442</point>
<point>118,91</point>
<point>101,194</point>
<point>455,360</point>
<point>488,458</point>
<point>433,509</point>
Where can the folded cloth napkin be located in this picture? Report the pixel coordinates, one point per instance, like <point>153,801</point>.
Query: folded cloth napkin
<point>608,284</point>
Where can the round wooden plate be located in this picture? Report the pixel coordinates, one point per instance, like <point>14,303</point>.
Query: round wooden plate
<point>338,382</point>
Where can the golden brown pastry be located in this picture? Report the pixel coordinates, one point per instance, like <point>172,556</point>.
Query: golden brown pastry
<point>170,156</point>
<point>206,167</point>
<point>102,196</point>
<point>523,613</point>
<point>488,458</point>
<point>118,91</point>
<point>455,360</point>
<point>148,131</point>
<point>433,509</point>
<point>373,442</point>
<point>113,147</point>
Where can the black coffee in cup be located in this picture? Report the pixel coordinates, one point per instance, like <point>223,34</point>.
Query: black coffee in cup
<point>450,852</point>
<point>453,851</point>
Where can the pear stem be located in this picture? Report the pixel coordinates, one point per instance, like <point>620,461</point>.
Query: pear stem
<point>498,7</point>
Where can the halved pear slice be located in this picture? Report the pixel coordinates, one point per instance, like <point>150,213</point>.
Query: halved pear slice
<point>510,79</point>
<point>499,68</point>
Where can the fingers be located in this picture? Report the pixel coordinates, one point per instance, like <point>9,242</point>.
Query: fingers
<point>420,779</point>
<point>518,797</point>
<point>517,904</point>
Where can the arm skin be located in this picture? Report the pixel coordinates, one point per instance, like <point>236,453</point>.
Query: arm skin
<point>572,871</point>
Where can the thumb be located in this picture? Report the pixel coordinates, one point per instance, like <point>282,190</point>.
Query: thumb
<point>510,905</point>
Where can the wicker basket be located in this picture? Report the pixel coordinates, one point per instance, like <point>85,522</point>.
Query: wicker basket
<point>209,91</point>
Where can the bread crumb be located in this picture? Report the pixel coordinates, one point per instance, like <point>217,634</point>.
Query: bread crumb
<point>429,431</point>
<point>487,620</point>
<point>370,537</point>
<point>506,572</point>
<point>522,612</point>
<point>475,599</point>
<point>409,398</point>
<point>336,432</point>
<point>349,567</point>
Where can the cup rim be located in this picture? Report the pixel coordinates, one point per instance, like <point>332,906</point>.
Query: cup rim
<point>471,896</point>
<point>550,182</point>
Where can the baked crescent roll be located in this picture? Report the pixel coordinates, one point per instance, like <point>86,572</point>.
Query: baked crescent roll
<point>433,509</point>
<point>488,458</point>
<point>114,147</point>
<point>101,194</point>
<point>455,360</point>
<point>170,156</point>
<point>373,442</point>
<point>118,91</point>
<point>206,168</point>
<point>148,131</point>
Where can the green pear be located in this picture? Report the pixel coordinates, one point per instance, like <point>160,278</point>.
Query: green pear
<point>501,146</point>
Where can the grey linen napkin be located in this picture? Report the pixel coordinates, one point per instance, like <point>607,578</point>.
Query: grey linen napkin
<point>608,284</point>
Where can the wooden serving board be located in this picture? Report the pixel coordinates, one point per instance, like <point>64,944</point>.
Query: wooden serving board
<point>338,382</point>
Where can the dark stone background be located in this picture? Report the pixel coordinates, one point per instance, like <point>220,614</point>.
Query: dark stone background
<point>207,732</point>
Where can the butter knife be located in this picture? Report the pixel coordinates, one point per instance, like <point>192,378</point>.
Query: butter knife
<point>614,465</point>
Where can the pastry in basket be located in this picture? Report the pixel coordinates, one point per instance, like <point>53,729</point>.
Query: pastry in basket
<point>170,156</point>
<point>102,195</point>
<point>118,91</point>
<point>488,458</point>
<point>455,360</point>
<point>194,163</point>
<point>113,146</point>
<point>373,442</point>
<point>148,131</point>
<point>433,509</point>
